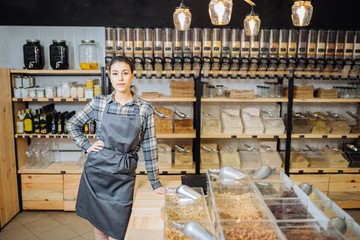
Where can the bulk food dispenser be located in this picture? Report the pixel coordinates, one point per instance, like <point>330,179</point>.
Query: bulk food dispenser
<point>245,52</point>
<point>196,51</point>
<point>148,51</point>
<point>168,51</point>
<point>274,50</point>
<point>254,54</point>
<point>206,50</point>
<point>301,51</point>
<point>310,52</point>
<point>158,51</point>
<point>178,58</point>
<point>348,51</point>
<point>119,41</point>
<point>291,52</point>
<point>226,47</point>
<point>109,44</point>
<point>138,50</point>
<point>129,43</point>
<point>320,52</point>
<point>235,51</point>
<point>283,47</point>
<point>264,50</point>
<point>187,53</point>
<point>339,52</point>
<point>216,51</point>
<point>329,53</point>
<point>356,56</point>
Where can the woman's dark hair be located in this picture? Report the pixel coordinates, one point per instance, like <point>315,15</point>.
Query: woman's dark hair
<point>122,59</point>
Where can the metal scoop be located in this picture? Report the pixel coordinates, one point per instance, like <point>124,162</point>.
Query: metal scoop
<point>209,149</point>
<point>263,172</point>
<point>267,148</point>
<point>195,230</point>
<point>339,223</point>
<point>181,149</point>
<point>249,148</point>
<point>207,114</point>
<point>180,114</point>
<point>160,114</point>
<point>187,192</point>
<point>231,115</point>
<point>268,113</point>
<point>352,147</point>
<point>353,115</point>
<point>334,115</point>
<point>332,148</point>
<point>306,188</point>
<point>231,173</point>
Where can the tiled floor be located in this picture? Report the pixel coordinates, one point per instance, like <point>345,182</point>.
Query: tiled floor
<point>59,225</point>
<point>47,225</point>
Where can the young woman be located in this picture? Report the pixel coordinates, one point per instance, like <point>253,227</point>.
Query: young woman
<point>124,123</point>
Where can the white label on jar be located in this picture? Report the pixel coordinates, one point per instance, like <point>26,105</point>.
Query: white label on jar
<point>26,82</point>
<point>18,82</point>
<point>32,92</point>
<point>40,93</point>
<point>49,92</point>
<point>73,92</point>
<point>24,92</point>
<point>19,127</point>
<point>17,92</point>
<point>80,92</point>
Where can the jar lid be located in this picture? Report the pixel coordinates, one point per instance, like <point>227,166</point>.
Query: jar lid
<point>87,41</point>
<point>220,85</point>
<point>89,80</point>
<point>211,86</point>
<point>59,41</point>
<point>32,40</point>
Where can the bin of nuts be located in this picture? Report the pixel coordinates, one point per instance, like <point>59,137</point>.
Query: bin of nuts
<point>183,156</point>
<point>182,123</point>
<point>209,156</point>
<point>163,120</point>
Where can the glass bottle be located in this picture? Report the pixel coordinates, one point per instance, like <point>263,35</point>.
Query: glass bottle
<point>19,124</point>
<point>37,122</point>
<point>138,45</point>
<point>33,54</point>
<point>29,122</point>
<point>119,41</point>
<point>129,43</point>
<point>59,55</point>
<point>109,44</point>
<point>245,47</point>
<point>88,55</point>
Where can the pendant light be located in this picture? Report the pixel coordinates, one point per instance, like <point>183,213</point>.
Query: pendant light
<point>301,13</point>
<point>182,17</point>
<point>252,23</point>
<point>220,11</point>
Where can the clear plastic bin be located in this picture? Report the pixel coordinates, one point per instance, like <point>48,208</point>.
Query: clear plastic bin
<point>184,159</point>
<point>164,153</point>
<point>163,120</point>
<point>289,208</point>
<point>229,157</point>
<point>209,156</point>
<point>250,159</point>
<point>231,121</point>
<point>276,189</point>
<point>232,190</point>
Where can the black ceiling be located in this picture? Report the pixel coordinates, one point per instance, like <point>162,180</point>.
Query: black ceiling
<point>158,13</point>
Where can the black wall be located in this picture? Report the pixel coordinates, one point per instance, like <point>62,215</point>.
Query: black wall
<point>327,14</point>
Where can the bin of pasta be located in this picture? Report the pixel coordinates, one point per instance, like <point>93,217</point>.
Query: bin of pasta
<point>353,153</point>
<point>229,156</point>
<point>316,158</point>
<point>163,120</point>
<point>224,189</point>
<point>297,159</point>
<point>272,123</point>
<point>249,158</point>
<point>305,230</point>
<point>210,123</point>
<point>183,123</point>
<point>338,123</point>
<point>270,157</point>
<point>319,124</point>
<point>183,156</point>
<point>209,156</point>
<point>231,121</point>
<point>335,156</point>
<point>252,121</point>
<point>251,230</point>
<point>300,124</point>
<point>241,209</point>
<point>164,153</point>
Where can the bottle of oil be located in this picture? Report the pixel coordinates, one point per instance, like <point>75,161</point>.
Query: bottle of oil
<point>43,126</point>
<point>19,124</point>
<point>37,122</point>
<point>29,122</point>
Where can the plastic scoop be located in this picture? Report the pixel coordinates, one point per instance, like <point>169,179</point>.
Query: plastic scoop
<point>231,173</point>
<point>195,230</point>
<point>187,192</point>
<point>263,172</point>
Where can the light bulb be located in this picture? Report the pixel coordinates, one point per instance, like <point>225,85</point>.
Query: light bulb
<point>182,18</point>
<point>220,11</point>
<point>301,13</point>
<point>252,24</point>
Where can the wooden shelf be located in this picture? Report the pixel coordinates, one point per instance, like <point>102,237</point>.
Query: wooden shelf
<point>333,136</point>
<point>244,136</point>
<point>226,99</point>
<point>170,99</point>
<point>163,170</point>
<point>324,170</point>
<point>56,72</point>
<point>54,168</point>
<point>327,100</point>
<point>25,135</point>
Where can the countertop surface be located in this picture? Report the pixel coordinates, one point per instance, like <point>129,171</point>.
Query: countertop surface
<point>146,220</point>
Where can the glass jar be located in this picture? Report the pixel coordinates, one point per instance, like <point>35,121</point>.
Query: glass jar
<point>97,88</point>
<point>81,91</point>
<point>49,92</point>
<point>88,55</point>
<point>220,11</point>
<point>17,92</point>
<point>33,54</point>
<point>32,92</point>
<point>219,90</point>
<point>73,91</point>
<point>40,92</point>
<point>65,89</point>
<point>18,82</point>
<point>59,90</point>
<point>211,90</point>
<point>24,92</point>
<point>59,55</point>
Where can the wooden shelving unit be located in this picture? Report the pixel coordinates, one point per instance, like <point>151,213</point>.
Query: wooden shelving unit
<point>333,136</point>
<point>56,72</point>
<point>324,170</point>
<point>327,100</point>
<point>259,100</point>
<point>244,136</point>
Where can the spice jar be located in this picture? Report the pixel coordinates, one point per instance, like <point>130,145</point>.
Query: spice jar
<point>40,92</point>
<point>17,92</point>
<point>26,82</point>
<point>24,92</point>
<point>59,55</point>
<point>18,82</point>
<point>33,54</point>
<point>89,84</point>
<point>73,91</point>
<point>59,90</point>
<point>219,90</point>
<point>211,91</point>
<point>88,55</point>
<point>97,88</point>
<point>32,92</point>
<point>80,91</point>
<point>89,93</point>
<point>49,92</point>
<point>65,89</point>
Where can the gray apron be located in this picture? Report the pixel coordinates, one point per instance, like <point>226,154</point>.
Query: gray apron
<point>107,184</point>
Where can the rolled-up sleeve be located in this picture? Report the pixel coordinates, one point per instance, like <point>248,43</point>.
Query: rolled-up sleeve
<point>149,145</point>
<point>75,124</point>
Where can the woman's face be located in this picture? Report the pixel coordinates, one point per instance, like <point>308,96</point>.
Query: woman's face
<point>121,77</point>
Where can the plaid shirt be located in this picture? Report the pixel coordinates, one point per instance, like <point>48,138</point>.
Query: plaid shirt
<point>94,111</point>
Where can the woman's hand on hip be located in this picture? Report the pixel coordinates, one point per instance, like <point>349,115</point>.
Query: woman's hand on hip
<point>160,190</point>
<point>96,147</point>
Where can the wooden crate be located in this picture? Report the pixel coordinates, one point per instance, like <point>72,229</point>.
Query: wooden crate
<point>321,181</point>
<point>344,189</point>
<point>42,191</point>
<point>71,186</point>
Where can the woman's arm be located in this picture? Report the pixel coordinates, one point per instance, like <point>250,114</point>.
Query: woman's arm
<point>74,125</point>
<point>149,145</point>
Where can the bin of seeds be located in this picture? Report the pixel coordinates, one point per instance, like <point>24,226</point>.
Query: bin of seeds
<point>229,156</point>
<point>183,123</point>
<point>183,156</point>
<point>336,157</point>
<point>164,153</point>
<point>316,158</point>
<point>209,156</point>
<point>338,123</point>
<point>272,123</point>
<point>270,157</point>
<point>163,120</point>
<point>231,121</point>
<point>252,122</point>
<point>210,123</point>
<point>249,158</point>
<point>300,124</point>
<point>319,124</point>
<point>297,159</point>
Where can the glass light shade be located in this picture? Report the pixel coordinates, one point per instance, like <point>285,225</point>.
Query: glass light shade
<point>220,11</point>
<point>182,18</point>
<point>301,13</point>
<point>252,24</point>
